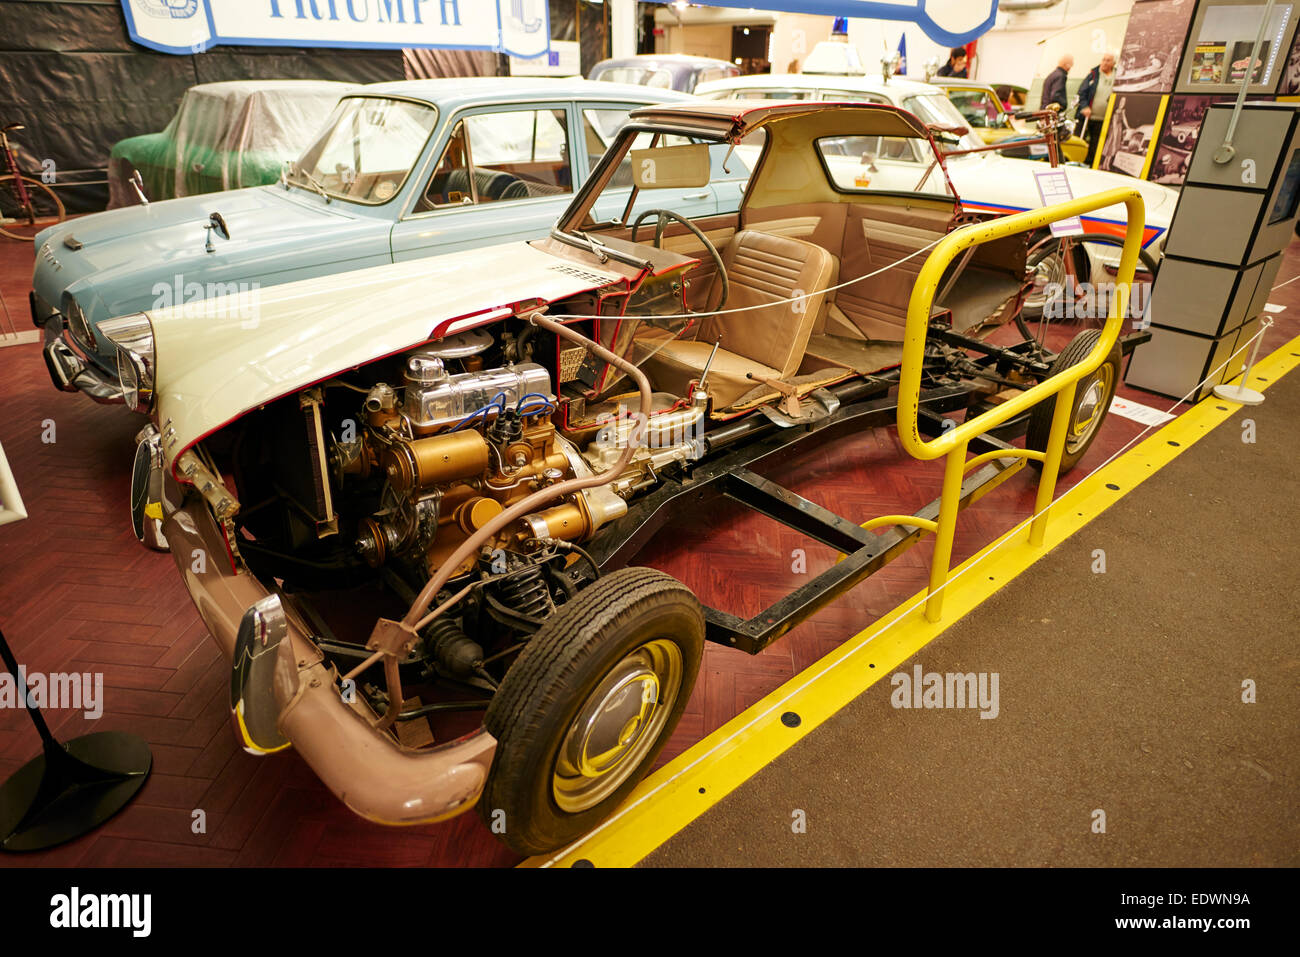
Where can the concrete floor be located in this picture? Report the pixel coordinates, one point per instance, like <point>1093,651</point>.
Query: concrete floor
<point>1119,691</point>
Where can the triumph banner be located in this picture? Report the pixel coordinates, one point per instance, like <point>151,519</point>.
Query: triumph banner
<point>517,27</point>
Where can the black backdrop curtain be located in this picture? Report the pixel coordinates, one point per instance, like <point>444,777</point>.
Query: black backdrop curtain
<point>72,76</point>
<point>70,73</point>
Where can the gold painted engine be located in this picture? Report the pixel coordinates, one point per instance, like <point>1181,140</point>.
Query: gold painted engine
<point>454,452</point>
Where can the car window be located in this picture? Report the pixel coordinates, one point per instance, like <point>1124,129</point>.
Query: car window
<point>638,76</point>
<point>891,164</point>
<point>978,108</point>
<point>852,96</point>
<point>771,94</point>
<point>599,126</point>
<point>936,110</point>
<point>493,157</point>
<point>711,73</point>
<point>367,149</point>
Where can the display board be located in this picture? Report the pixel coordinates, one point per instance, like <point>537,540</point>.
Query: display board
<point>1153,46</point>
<point>1223,250</point>
<point>1217,56</point>
<point>1128,135</point>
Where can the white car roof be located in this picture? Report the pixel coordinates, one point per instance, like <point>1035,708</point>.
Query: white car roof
<point>896,88</point>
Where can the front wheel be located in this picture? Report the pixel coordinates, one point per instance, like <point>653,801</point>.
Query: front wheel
<point>1091,255</point>
<point>1092,397</point>
<point>589,703</point>
<point>26,207</point>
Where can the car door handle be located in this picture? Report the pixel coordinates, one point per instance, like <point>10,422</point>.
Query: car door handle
<point>696,196</point>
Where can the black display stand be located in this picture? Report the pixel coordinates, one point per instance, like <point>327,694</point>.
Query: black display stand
<point>72,788</point>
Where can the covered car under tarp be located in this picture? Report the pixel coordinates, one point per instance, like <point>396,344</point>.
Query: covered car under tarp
<point>224,135</point>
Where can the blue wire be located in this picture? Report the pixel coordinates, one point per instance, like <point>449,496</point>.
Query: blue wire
<point>498,401</point>
<point>531,395</point>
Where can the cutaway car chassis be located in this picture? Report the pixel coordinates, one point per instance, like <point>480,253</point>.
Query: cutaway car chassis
<point>468,502</point>
<point>864,404</point>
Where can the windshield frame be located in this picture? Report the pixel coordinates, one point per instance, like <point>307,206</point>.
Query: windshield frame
<point>568,228</point>
<point>295,179</point>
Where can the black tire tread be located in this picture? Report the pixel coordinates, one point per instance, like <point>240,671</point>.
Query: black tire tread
<point>552,658</point>
<point>1040,417</point>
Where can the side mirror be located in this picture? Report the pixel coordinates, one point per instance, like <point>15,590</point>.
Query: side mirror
<point>137,183</point>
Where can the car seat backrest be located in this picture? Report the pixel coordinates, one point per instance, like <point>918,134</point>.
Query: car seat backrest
<point>765,268</point>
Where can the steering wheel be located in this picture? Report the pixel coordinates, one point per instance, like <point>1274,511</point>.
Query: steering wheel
<point>663,215</point>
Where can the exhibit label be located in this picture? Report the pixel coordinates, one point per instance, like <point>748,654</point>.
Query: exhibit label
<point>517,27</point>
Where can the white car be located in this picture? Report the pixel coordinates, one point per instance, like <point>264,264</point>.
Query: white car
<point>987,182</point>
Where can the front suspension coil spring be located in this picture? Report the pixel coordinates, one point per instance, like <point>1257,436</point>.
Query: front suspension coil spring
<point>527,593</point>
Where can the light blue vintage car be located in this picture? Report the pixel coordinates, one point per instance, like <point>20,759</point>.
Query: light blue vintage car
<point>400,171</point>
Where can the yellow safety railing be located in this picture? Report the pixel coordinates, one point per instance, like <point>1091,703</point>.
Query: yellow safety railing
<point>954,442</point>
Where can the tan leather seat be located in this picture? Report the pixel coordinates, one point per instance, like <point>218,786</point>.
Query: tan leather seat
<point>763,268</point>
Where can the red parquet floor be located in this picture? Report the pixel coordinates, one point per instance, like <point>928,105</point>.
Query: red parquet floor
<point>77,593</point>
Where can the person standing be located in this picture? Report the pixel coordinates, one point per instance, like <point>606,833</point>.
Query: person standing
<point>1093,97</point>
<point>1054,85</point>
<point>956,65</point>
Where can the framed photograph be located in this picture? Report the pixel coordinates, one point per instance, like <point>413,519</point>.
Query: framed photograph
<point>1290,82</point>
<point>1128,136</point>
<point>1178,135</point>
<point>1218,56</point>
<point>1153,44</point>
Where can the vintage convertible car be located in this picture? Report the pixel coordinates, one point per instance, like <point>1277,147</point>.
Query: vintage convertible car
<point>413,491</point>
<point>386,179</point>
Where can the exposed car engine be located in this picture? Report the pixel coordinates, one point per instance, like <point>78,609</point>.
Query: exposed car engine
<point>386,480</point>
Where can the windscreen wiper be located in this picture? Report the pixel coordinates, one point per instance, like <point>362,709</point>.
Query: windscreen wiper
<point>311,181</point>
<point>597,248</point>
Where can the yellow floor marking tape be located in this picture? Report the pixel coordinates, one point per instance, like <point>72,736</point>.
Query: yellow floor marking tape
<point>686,787</point>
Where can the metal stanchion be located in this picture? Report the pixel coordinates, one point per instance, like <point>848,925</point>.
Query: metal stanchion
<point>69,789</point>
<point>1239,393</point>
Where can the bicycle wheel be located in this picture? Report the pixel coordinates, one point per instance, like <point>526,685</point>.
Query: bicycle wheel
<point>25,212</point>
<point>1095,258</point>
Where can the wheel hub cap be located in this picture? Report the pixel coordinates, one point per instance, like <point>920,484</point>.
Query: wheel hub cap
<point>611,725</point>
<point>617,725</point>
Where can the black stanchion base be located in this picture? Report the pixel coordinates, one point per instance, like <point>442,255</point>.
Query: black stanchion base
<point>71,789</point>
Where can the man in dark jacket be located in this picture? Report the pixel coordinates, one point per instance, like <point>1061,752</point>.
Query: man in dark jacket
<point>1090,109</point>
<point>1054,85</point>
<point>956,65</point>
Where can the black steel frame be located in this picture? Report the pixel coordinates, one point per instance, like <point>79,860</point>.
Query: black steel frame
<point>865,404</point>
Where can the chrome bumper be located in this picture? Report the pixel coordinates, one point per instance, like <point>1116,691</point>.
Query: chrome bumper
<point>366,769</point>
<point>71,373</point>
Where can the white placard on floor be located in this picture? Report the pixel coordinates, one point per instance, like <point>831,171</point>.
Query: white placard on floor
<point>1138,412</point>
<point>1273,307</point>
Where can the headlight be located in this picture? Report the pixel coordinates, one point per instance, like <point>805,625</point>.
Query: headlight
<point>77,324</point>
<point>133,336</point>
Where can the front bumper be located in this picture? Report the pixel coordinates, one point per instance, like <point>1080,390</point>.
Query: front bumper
<point>69,371</point>
<point>366,769</point>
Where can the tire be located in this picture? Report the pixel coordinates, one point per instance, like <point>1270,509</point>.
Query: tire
<point>1047,265</point>
<point>15,222</point>
<point>1093,393</point>
<point>582,663</point>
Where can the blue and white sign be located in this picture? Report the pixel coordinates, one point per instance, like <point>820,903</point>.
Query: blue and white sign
<point>517,27</point>
<point>950,22</point>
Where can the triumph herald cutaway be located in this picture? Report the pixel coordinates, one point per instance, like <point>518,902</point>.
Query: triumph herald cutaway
<point>416,490</point>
